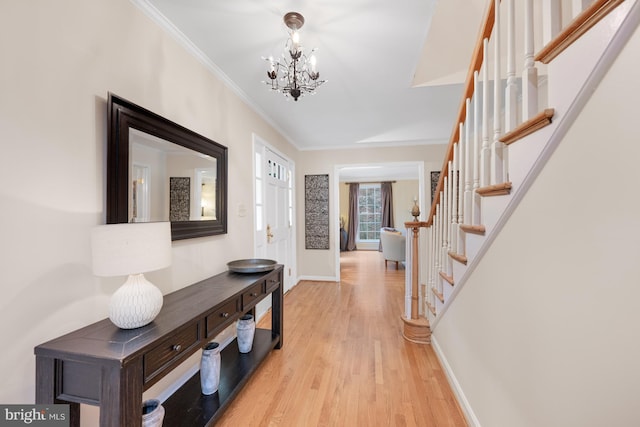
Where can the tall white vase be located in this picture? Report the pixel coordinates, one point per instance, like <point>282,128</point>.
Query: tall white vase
<point>245,330</point>
<point>210,368</point>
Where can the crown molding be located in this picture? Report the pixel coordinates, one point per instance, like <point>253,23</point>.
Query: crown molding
<point>155,15</point>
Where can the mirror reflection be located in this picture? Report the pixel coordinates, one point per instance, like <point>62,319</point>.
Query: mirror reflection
<point>169,182</point>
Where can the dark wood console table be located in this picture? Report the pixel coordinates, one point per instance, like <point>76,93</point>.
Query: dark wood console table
<point>111,367</point>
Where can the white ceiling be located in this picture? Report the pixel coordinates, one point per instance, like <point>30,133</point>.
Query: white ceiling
<point>394,70</point>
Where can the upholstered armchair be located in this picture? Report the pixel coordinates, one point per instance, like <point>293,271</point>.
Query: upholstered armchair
<point>393,246</point>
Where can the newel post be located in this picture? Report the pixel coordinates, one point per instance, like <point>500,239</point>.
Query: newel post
<point>416,327</point>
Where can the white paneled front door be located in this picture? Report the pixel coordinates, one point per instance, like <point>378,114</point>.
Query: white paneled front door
<point>274,209</point>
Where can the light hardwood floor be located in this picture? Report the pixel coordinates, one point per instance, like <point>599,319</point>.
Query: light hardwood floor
<point>344,361</point>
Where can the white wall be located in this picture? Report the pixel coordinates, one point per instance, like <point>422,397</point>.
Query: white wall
<point>546,332</point>
<point>59,60</point>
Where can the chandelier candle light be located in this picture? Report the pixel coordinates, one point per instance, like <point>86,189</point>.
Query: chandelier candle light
<point>297,73</point>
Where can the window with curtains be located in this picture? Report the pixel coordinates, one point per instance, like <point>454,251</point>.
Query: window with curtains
<point>369,212</point>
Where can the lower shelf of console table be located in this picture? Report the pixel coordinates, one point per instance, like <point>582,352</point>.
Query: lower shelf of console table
<point>188,407</point>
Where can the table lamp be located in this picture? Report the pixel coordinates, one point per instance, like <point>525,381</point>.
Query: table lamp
<point>132,249</point>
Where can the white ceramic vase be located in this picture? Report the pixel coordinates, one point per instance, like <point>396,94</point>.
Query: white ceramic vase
<point>152,413</point>
<point>245,330</point>
<point>210,368</point>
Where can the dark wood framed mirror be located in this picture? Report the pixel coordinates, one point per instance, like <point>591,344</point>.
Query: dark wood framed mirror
<point>158,170</point>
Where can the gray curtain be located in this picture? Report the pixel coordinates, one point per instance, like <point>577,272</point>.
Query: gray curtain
<point>354,188</point>
<point>386,197</point>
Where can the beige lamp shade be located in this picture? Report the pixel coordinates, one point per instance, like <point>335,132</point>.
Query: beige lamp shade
<point>123,249</point>
<point>131,250</point>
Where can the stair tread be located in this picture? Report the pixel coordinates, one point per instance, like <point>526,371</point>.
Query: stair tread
<point>449,279</point>
<point>431,308</point>
<point>475,229</point>
<point>572,32</point>
<point>460,258</point>
<point>535,123</point>
<point>438,294</point>
<point>495,190</point>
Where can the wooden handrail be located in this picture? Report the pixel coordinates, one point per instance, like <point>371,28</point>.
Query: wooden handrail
<point>476,64</point>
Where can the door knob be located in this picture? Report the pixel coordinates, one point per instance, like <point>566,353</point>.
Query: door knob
<point>269,234</point>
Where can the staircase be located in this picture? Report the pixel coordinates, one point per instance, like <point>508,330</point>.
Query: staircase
<point>506,132</point>
<point>528,261</point>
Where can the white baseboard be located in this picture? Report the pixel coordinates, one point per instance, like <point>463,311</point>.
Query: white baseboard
<point>469,415</point>
<point>318,278</point>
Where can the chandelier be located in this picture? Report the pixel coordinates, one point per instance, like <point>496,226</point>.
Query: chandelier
<point>294,74</point>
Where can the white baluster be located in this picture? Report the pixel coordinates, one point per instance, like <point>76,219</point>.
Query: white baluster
<point>431,264</point>
<point>475,215</point>
<point>485,163</point>
<point>459,195</point>
<point>444,259</point>
<point>530,72</point>
<point>438,236</point>
<point>440,239</point>
<point>551,19</point>
<point>577,6</point>
<point>420,287</point>
<point>468,167</point>
<point>447,222</point>
<point>432,254</point>
<point>443,225</point>
<point>511,91</point>
<point>497,149</point>
<point>453,171</point>
<point>435,250</point>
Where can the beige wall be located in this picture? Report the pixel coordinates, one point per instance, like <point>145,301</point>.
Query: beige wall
<point>322,263</point>
<point>546,332</point>
<point>59,60</point>
<point>403,193</point>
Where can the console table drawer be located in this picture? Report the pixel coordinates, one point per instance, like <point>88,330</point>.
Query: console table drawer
<point>254,293</point>
<point>272,282</point>
<point>224,315</point>
<point>171,350</point>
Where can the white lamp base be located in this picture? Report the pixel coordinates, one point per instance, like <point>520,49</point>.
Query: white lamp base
<point>136,303</point>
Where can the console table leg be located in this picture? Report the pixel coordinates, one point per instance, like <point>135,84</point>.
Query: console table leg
<point>121,396</point>
<point>46,388</point>
<point>74,414</point>
<point>277,304</point>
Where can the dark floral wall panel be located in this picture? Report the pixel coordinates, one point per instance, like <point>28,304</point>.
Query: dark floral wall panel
<point>316,211</point>
<point>179,198</point>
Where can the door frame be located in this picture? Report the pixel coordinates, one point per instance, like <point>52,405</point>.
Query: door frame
<point>335,217</point>
<point>290,273</point>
